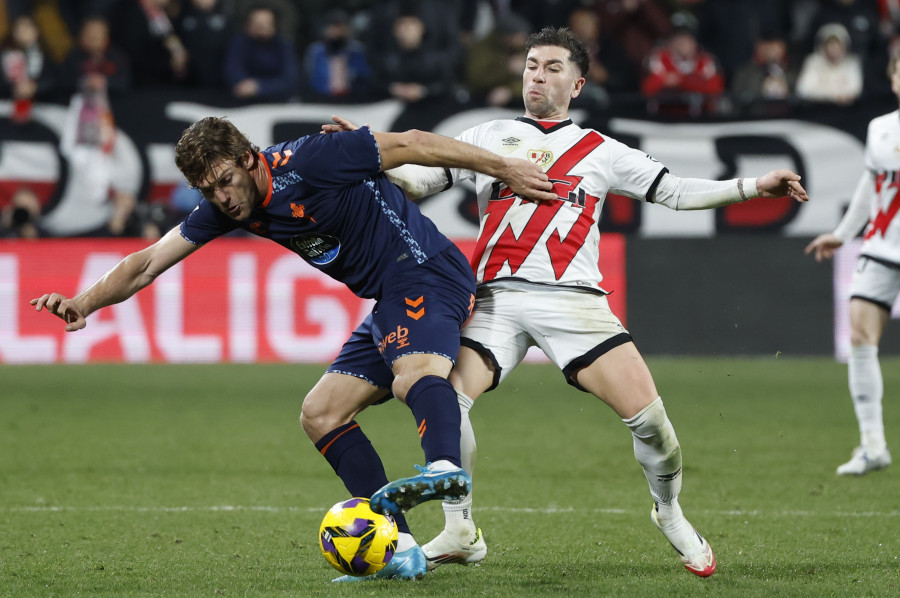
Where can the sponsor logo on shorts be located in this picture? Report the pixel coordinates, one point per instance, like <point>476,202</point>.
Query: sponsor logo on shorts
<point>417,314</point>
<point>399,338</point>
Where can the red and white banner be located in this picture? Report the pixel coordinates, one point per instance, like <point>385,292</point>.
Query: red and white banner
<point>238,300</point>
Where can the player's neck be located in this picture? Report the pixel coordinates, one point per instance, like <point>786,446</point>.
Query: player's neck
<point>552,118</point>
<point>260,174</point>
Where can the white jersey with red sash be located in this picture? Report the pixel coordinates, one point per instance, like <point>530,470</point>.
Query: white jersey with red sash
<point>551,243</point>
<point>882,234</point>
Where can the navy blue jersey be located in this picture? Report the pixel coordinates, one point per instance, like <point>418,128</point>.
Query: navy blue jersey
<point>329,202</point>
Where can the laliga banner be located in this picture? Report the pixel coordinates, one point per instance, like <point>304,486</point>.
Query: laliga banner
<point>236,300</point>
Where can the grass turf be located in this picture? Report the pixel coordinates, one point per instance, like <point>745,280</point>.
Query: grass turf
<point>198,481</point>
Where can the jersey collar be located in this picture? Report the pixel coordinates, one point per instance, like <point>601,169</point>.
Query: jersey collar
<point>545,126</point>
<point>268,198</point>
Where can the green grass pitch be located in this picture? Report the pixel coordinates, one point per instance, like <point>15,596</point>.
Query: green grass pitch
<point>198,481</point>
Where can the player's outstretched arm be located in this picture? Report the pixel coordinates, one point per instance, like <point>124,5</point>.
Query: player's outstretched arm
<point>128,277</point>
<point>824,246</point>
<point>428,149</point>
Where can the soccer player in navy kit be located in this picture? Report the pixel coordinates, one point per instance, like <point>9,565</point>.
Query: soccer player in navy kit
<point>326,198</point>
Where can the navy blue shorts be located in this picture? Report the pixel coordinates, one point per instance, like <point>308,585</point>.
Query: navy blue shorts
<point>421,311</point>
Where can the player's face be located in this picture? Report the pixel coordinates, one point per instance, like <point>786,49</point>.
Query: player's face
<point>895,77</point>
<point>231,188</point>
<point>549,82</point>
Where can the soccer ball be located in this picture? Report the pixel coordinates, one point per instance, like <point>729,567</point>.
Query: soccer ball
<point>356,540</point>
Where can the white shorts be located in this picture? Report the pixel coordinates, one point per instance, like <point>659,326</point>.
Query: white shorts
<point>876,282</point>
<point>572,327</point>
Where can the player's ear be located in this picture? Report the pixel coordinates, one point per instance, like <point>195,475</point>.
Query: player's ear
<point>249,160</point>
<point>576,89</point>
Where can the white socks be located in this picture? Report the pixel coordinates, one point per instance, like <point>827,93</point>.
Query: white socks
<point>867,389</point>
<point>405,541</point>
<point>458,513</point>
<point>656,448</point>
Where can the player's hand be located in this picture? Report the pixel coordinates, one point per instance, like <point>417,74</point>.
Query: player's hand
<point>62,307</point>
<point>340,124</point>
<point>781,183</point>
<point>526,179</point>
<point>823,246</point>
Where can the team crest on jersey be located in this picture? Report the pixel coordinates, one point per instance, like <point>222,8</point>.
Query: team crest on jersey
<point>540,157</point>
<point>319,250</point>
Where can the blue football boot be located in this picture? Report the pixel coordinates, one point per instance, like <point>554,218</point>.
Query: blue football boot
<point>436,481</point>
<point>409,564</point>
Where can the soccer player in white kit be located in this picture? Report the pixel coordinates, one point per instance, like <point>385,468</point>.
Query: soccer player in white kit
<point>539,280</point>
<point>876,281</point>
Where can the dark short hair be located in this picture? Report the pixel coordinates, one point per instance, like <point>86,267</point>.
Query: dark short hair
<point>206,142</point>
<point>563,38</point>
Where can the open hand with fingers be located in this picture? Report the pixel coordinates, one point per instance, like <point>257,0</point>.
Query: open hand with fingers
<point>62,307</point>
<point>781,183</point>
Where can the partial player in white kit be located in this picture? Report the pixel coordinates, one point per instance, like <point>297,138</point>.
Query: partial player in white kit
<point>876,281</point>
<point>540,284</point>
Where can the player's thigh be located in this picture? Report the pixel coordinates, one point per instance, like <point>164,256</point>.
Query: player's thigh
<point>873,291</point>
<point>495,340</point>
<point>335,400</point>
<point>473,372</point>
<point>620,378</point>
<point>580,334</point>
<point>867,321</point>
<point>416,322</point>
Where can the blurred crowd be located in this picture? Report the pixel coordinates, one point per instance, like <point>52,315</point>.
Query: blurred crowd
<point>676,58</point>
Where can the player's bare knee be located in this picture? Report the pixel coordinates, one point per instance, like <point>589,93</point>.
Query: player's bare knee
<point>402,383</point>
<point>317,417</point>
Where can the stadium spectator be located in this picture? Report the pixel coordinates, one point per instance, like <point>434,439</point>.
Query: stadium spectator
<point>681,77</point>
<point>336,65</point>
<point>440,39</point>
<point>728,29</point>
<point>50,18</point>
<point>860,19</point>
<point>765,85</point>
<point>325,197</point>
<point>536,294</point>
<point>409,69</point>
<point>104,174</point>
<point>205,27</point>
<point>609,68</point>
<point>832,73</point>
<point>636,26</point>
<point>494,63</point>
<point>28,72</point>
<point>20,218</point>
<point>876,279</point>
<point>144,30</point>
<point>96,57</point>
<point>261,64</point>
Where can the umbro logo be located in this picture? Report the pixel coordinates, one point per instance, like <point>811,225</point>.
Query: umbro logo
<point>511,141</point>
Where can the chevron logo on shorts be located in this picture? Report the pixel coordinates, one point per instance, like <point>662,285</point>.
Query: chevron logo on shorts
<point>415,315</point>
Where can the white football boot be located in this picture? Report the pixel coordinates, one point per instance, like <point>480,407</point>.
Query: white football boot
<point>695,552</point>
<point>864,460</point>
<point>449,547</point>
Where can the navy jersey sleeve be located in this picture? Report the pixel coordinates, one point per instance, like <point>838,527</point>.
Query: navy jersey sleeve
<point>206,223</point>
<point>338,159</point>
